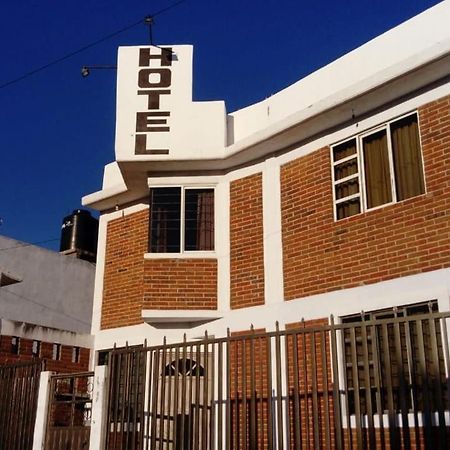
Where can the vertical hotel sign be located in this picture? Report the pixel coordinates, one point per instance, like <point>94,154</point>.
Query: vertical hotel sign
<point>154,82</point>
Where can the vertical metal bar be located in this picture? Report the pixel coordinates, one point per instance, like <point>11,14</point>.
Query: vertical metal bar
<point>204,409</point>
<point>220,396</point>
<point>325,368</point>
<point>169,398</point>
<point>253,434</point>
<point>368,386</point>
<point>306,396</point>
<point>190,398</point>
<point>278,384</point>
<point>314,393</point>
<point>356,388</point>
<point>402,379</point>
<point>437,383</point>
<point>378,383</point>
<point>427,413</point>
<point>244,394</point>
<point>289,424</point>
<point>261,394</point>
<point>155,395</point>
<point>413,386</point>
<point>176,385</point>
<point>270,419</point>
<point>394,436</point>
<point>149,388</point>
<point>211,375</point>
<point>446,356</point>
<point>297,419</point>
<point>197,395</point>
<point>336,390</point>
<point>183,393</point>
<point>162,404</point>
<point>236,425</point>
<point>228,439</point>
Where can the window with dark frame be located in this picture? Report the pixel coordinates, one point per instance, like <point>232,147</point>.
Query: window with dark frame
<point>36,349</point>
<point>76,354</point>
<point>389,365</point>
<point>56,353</point>
<point>15,345</point>
<point>377,168</point>
<point>181,219</point>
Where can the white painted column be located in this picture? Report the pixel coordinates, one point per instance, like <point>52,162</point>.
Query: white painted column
<point>40,424</point>
<point>273,251</point>
<point>99,408</point>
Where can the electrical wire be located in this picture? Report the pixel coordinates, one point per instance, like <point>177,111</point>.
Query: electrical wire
<point>88,46</point>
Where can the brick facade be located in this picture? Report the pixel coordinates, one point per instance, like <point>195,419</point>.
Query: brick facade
<point>63,365</point>
<point>132,283</point>
<point>246,242</point>
<point>321,255</point>
<point>180,284</point>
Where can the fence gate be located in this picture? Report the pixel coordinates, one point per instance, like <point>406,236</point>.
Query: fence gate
<point>19,386</point>
<point>69,413</point>
<point>376,382</point>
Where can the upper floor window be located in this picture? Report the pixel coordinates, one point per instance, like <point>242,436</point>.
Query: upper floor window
<point>181,219</point>
<point>36,349</point>
<point>15,345</point>
<point>380,167</point>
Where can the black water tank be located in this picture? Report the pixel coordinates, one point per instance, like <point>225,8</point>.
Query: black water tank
<point>79,233</point>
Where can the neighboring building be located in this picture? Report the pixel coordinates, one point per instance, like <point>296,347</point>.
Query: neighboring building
<point>331,197</point>
<point>45,306</point>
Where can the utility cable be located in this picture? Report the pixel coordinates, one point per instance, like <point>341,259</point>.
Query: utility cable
<point>88,46</point>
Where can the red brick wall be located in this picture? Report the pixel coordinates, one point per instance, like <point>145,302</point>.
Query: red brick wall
<point>406,238</point>
<point>127,241</point>
<point>180,284</point>
<point>63,365</point>
<point>246,238</point>
<point>132,283</point>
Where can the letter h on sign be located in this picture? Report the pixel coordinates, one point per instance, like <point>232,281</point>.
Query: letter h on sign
<point>153,82</point>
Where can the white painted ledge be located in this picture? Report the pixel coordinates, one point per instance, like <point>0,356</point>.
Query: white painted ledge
<point>186,317</point>
<point>185,255</point>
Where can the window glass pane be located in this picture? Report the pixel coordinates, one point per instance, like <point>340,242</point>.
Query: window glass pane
<point>347,188</point>
<point>345,149</point>
<point>407,158</point>
<point>346,169</point>
<point>199,219</point>
<point>376,166</point>
<point>165,210</point>
<point>347,209</point>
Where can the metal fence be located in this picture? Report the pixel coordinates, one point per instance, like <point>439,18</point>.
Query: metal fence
<point>376,383</point>
<point>69,412</point>
<point>19,386</point>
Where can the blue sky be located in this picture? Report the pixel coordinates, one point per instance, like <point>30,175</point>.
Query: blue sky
<point>57,128</point>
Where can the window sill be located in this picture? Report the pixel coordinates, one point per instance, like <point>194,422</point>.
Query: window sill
<point>188,318</point>
<point>187,255</point>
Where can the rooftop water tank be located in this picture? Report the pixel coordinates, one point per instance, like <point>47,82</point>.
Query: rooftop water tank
<point>79,233</point>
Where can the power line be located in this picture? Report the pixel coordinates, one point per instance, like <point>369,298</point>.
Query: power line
<point>88,46</point>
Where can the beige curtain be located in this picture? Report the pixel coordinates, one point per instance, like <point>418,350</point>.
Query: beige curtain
<point>376,169</point>
<point>409,180</point>
<point>205,220</point>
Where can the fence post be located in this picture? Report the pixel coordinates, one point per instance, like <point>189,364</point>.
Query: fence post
<point>99,408</point>
<point>41,411</point>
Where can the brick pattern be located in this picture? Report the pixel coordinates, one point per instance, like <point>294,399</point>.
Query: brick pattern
<point>127,241</point>
<point>246,237</point>
<point>62,365</point>
<point>320,255</point>
<point>133,283</point>
<point>180,284</point>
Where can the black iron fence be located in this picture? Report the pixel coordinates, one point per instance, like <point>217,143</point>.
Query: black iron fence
<point>375,383</point>
<point>69,412</point>
<point>19,387</point>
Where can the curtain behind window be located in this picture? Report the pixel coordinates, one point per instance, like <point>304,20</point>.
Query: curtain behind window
<point>199,219</point>
<point>376,165</point>
<point>409,180</point>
